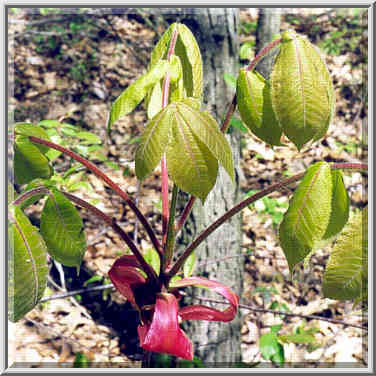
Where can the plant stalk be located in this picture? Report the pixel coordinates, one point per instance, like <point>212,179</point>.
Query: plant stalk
<point>170,241</point>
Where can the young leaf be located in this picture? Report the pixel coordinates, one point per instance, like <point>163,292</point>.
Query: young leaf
<point>301,89</point>
<point>207,131</point>
<point>161,48</point>
<point>27,129</point>
<point>340,205</point>
<point>155,100</point>
<point>153,143</point>
<point>189,265</point>
<point>307,217</point>
<point>152,258</point>
<point>255,107</point>
<point>136,92</point>
<point>175,69</point>
<point>299,338</point>
<point>62,229</point>
<point>29,162</point>
<point>346,274</point>
<point>28,270</point>
<point>270,348</point>
<point>200,167</point>
<point>189,53</point>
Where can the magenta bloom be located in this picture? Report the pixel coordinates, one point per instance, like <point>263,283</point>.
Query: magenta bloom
<point>160,315</point>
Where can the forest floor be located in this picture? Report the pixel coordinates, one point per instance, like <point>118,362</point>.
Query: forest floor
<point>72,69</point>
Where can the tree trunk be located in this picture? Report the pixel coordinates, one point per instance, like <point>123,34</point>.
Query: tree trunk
<point>269,24</point>
<point>217,343</point>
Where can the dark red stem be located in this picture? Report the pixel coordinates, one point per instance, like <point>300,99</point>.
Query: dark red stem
<point>112,222</point>
<point>113,185</point>
<point>237,208</point>
<point>263,53</point>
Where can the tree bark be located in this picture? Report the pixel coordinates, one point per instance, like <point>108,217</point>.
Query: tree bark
<point>268,24</point>
<point>217,343</point>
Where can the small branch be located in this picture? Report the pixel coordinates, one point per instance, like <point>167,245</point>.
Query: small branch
<point>262,54</point>
<point>230,112</point>
<point>265,310</point>
<point>23,197</point>
<point>187,210</point>
<point>77,292</point>
<point>112,222</point>
<point>113,185</point>
<point>237,208</point>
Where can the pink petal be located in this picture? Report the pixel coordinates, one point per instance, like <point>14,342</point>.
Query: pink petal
<point>200,312</point>
<point>125,277</point>
<point>164,334</point>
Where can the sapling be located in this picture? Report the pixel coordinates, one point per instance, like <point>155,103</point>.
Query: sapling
<point>296,105</point>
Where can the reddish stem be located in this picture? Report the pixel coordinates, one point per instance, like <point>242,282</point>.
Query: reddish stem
<point>263,53</point>
<point>187,210</point>
<point>112,222</point>
<point>237,208</point>
<point>113,185</point>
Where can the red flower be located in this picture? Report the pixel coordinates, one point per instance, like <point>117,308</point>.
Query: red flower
<point>159,330</point>
<point>164,334</point>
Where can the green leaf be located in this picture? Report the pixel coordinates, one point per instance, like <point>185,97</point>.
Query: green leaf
<point>238,124</point>
<point>270,348</point>
<point>153,143</point>
<point>188,136</point>
<point>346,274</point>
<point>245,51</point>
<point>200,167</point>
<point>207,131</point>
<point>27,129</point>
<point>136,92</point>
<point>152,258</point>
<point>189,53</point>
<point>90,138</point>
<point>301,89</point>
<point>307,217</point>
<point>62,229</point>
<point>93,279</point>
<point>340,205</point>
<point>175,69</point>
<point>230,80</point>
<point>81,361</point>
<point>161,48</point>
<point>189,265</point>
<point>28,270</point>
<point>155,100</point>
<point>29,162</point>
<point>49,123</point>
<point>255,107</point>
<point>303,338</point>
